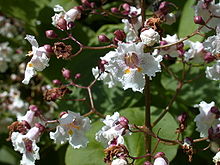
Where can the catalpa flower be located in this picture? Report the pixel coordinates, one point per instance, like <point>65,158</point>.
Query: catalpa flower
<point>132,30</point>
<point>213,72</point>
<point>206,118</point>
<point>128,64</point>
<point>38,62</point>
<point>115,127</point>
<point>26,144</point>
<point>68,16</point>
<point>72,128</point>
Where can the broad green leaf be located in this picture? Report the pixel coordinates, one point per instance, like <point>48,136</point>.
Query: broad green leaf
<point>187,26</point>
<point>8,156</point>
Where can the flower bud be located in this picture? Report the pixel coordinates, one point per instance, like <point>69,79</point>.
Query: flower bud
<point>114,10</point>
<point>93,5</point>
<point>86,3</point>
<point>71,25</point>
<point>51,34</point>
<point>103,38</point>
<point>182,118</point>
<point>77,76</point>
<point>215,111</point>
<point>126,7</point>
<point>66,73</point>
<point>62,24</point>
<point>150,37</point>
<point>120,35</point>
<point>164,7</point>
<point>147,163</point>
<point>57,82</point>
<point>199,20</point>
<point>101,65</point>
<point>160,159</point>
<point>209,57</point>
<point>48,48</point>
<point>33,108</point>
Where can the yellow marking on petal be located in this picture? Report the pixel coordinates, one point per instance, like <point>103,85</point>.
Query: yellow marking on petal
<point>30,65</point>
<point>139,69</point>
<point>70,132</point>
<point>127,71</point>
<point>30,53</point>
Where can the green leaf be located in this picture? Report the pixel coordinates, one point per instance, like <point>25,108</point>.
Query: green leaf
<point>187,25</point>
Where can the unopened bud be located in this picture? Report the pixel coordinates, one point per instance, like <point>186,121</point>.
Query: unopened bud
<point>114,10</point>
<point>51,34</point>
<point>57,82</point>
<point>147,163</point>
<point>120,35</point>
<point>103,38</point>
<point>48,48</point>
<point>66,73</point>
<point>126,7</point>
<point>33,108</point>
<point>199,20</point>
<point>71,25</point>
<point>62,24</point>
<point>164,7</point>
<point>209,57</point>
<point>77,76</point>
<point>93,5</point>
<point>101,65</point>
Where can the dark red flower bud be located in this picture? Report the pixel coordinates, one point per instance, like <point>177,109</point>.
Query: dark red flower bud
<point>62,24</point>
<point>114,10</point>
<point>120,35</point>
<point>126,7</point>
<point>101,65</point>
<point>71,25</point>
<point>209,57</point>
<point>57,82</point>
<point>77,76</point>
<point>48,48</point>
<point>103,38</point>
<point>51,34</point>
<point>199,20</point>
<point>33,108</point>
<point>66,73</point>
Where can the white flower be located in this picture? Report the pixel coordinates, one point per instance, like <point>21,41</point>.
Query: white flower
<point>212,43</point>
<point>119,162</point>
<point>205,14</point>
<point>150,37</point>
<point>72,128</point>
<point>216,158</point>
<point>195,53</point>
<point>5,56</point>
<point>111,131</point>
<point>172,50</point>
<point>170,18</point>
<point>26,145</point>
<point>132,30</point>
<point>213,72</point>
<point>205,119</point>
<point>160,161</point>
<point>38,62</point>
<point>128,65</point>
<point>69,16</point>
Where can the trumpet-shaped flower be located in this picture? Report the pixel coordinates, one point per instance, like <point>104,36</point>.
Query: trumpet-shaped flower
<point>128,64</point>
<point>38,62</point>
<point>206,118</point>
<point>72,128</point>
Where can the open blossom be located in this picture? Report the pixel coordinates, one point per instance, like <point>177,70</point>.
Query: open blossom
<point>132,30</point>
<point>113,130</point>
<point>172,50</point>
<point>205,14</point>
<point>26,145</point>
<point>195,53</point>
<point>119,162</point>
<point>216,158</point>
<point>150,37</point>
<point>128,65</point>
<point>206,118</point>
<point>68,16</point>
<point>72,128</point>
<point>38,62</point>
<point>213,72</point>
<point>212,43</point>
